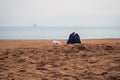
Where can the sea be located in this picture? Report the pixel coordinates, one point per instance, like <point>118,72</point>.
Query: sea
<point>57,32</point>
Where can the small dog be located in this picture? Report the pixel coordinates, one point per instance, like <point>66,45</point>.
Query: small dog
<point>55,42</point>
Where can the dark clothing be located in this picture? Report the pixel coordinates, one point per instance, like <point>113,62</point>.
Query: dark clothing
<point>73,38</point>
<point>77,38</point>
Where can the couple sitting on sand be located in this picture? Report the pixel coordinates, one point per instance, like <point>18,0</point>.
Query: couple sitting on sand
<point>73,38</point>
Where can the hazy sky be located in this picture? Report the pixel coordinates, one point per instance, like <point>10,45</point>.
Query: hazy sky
<point>60,12</point>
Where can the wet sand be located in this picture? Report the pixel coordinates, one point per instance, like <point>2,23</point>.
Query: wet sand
<point>95,59</point>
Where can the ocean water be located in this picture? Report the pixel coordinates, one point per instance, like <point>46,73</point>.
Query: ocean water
<point>58,32</point>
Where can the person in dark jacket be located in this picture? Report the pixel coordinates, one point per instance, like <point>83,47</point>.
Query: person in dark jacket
<point>73,38</point>
<point>77,38</point>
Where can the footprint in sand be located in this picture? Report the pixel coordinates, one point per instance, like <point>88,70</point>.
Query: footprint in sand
<point>70,77</point>
<point>22,70</point>
<point>41,68</point>
<point>108,48</point>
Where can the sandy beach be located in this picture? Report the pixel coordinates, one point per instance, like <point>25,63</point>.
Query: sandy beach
<point>93,59</point>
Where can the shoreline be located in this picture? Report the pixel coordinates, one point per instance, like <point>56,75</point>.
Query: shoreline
<point>18,43</point>
<point>62,39</point>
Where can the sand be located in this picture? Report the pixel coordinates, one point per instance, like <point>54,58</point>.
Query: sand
<point>97,59</point>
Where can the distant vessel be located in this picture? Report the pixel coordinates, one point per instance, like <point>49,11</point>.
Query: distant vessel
<point>34,25</point>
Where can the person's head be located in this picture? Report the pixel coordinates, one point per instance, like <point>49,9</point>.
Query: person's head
<point>73,32</point>
<point>76,34</point>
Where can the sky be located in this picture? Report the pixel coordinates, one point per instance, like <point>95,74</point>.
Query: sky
<point>60,12</point>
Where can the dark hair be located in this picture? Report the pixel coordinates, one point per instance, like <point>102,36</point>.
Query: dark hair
<point>76,34</point>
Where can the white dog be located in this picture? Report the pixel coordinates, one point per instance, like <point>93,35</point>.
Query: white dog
<point>55,42</point>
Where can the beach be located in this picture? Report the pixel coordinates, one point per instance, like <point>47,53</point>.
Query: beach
<point>93,59</point>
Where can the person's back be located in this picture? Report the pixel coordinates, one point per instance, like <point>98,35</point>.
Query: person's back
<point>77,38</point>
<point>71,39</point>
